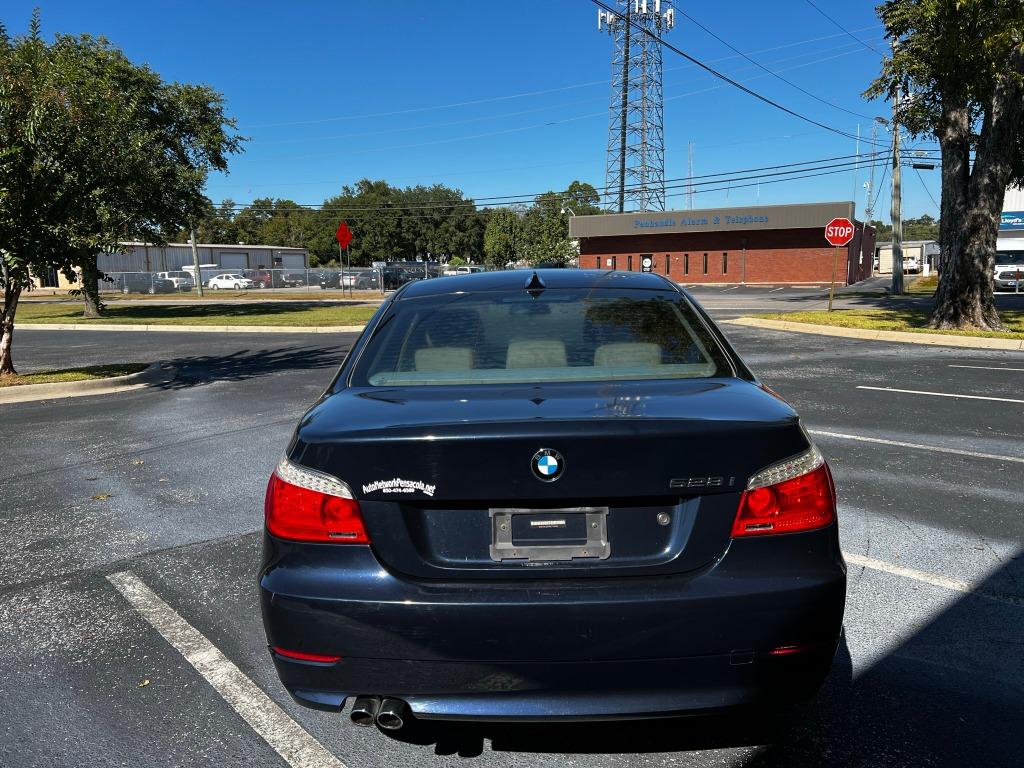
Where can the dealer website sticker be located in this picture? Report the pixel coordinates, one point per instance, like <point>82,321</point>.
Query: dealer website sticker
<point>399,485</point>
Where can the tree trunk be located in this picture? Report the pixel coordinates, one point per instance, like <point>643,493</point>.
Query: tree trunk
<point>970,219</point>
<point>11,296</point>
<point>90,288</point>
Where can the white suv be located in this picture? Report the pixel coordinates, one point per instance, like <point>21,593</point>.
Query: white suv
<point>182,280</point>
<point>230,280</point>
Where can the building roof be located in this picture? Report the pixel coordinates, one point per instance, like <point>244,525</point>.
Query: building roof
<point>799,216</point>
<point>888,243</point>
<point>216,245</point>
<point>518,279</point>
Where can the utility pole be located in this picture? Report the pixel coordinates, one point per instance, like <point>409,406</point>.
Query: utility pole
<point>689,186</point>
<point>869,202</point>
<point>195,261</point>
<point>624,117</point>
<point>856,172</point>
<point>897,193</point>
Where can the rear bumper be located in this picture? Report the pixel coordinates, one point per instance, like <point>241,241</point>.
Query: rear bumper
<point>582,648</point>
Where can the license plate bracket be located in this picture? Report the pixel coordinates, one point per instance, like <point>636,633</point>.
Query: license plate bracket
<point>517,533</point>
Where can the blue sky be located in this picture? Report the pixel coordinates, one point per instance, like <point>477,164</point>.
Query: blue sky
<point>497,98</point>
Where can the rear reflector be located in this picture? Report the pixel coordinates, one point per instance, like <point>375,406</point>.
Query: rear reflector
<point>305,505</point>
<point>300,656</point>
<point>788,650</point>
<point>794,495</point>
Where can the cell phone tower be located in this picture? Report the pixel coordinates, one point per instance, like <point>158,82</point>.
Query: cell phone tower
<point>635,171</point>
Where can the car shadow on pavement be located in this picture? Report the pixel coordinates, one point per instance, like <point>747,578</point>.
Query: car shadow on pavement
<point>186,372</point>
<point>950,695</point>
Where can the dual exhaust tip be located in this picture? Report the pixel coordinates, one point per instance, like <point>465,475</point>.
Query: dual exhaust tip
<point>386,714</point>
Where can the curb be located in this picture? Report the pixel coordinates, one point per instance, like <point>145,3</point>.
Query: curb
<point>190,328</point>
<point>933,339</point>
<point>25,393</point>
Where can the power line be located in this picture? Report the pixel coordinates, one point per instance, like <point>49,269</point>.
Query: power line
<point>506,97</point>
<point>930,196</point>
<point>761,173</point>
<point>774,74</point>
<point>836,53</point>
<point>464,214</point>
<point>711,70</point>
<point>520,129</point>
<point>844,29</point>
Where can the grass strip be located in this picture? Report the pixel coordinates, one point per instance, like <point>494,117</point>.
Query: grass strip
<point>909,320</point>
<point>190,314</point>
<point>73,374</point>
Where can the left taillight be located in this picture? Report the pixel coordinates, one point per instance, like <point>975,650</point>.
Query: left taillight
<point>306,505</point>
<point>788,497</point>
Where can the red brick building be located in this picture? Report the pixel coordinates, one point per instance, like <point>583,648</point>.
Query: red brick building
<point>766,244</point>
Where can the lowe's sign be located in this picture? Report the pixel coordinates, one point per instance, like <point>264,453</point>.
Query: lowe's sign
<point>1012,220</point>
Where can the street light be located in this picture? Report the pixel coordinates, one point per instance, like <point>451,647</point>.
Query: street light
<point>567,209</point>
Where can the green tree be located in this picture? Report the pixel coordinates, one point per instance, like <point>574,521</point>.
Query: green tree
<point>924,227</point>
<point>546,230</point>
<point>213,224</point>
<point>582,198</point>
<point>883,231</point>
<point>961,63</point>
<point>96,151</point>
<point>503,237</point>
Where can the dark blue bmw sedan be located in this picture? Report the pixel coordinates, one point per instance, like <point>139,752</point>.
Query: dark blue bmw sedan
<point>550,494</point>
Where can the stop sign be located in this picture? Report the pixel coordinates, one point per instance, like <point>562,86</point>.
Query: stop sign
<point>839,232</point>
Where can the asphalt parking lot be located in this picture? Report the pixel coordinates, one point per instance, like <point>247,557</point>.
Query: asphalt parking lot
<point>130,624</point>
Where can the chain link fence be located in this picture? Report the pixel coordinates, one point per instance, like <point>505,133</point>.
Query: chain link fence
<point>282,281</point>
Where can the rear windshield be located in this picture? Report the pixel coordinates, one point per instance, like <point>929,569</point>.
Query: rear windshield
<point>1010,257</point>
<point>509,337</point>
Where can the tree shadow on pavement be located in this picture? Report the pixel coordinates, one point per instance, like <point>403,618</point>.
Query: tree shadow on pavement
<point>950,695</point>
<point>187,372</point>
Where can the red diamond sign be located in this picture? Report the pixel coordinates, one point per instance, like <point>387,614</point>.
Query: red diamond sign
<point>344,235</point>
<point>839,232</point>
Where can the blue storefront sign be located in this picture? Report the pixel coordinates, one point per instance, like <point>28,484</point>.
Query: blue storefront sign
<point>703,221</point>
<point>1012,220</point>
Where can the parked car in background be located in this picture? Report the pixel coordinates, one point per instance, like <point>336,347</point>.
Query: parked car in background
<point>181,280</point>
<point>368,281</point>
<point>261,278</point>
<point>293,280</point>
<point>230,280</point>
<point>396,277</point>
<point>140,282</point>
<point>467,269</point>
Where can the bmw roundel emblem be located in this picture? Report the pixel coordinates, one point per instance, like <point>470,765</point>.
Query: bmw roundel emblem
<point>547,465</point>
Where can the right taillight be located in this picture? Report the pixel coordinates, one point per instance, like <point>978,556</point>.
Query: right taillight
<point>305,505</point>
<point>791,496</point>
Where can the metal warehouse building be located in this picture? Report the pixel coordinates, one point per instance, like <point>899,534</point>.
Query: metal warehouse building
<point>142,257</point>
<point>764,244</point>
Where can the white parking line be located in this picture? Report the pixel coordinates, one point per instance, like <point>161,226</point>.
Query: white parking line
<point>293,743</point>
<point>934,579</point>
<point>986,367</point>
<point>942,394</point>
<point>730,289</point>
<point>956,585</point>
<point>917,446</point>
<point>773,290</point>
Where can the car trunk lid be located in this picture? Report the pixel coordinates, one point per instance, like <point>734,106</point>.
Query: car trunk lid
<point>649,481</point>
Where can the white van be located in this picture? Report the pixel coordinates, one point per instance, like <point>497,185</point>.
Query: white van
<point>182,280</point>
